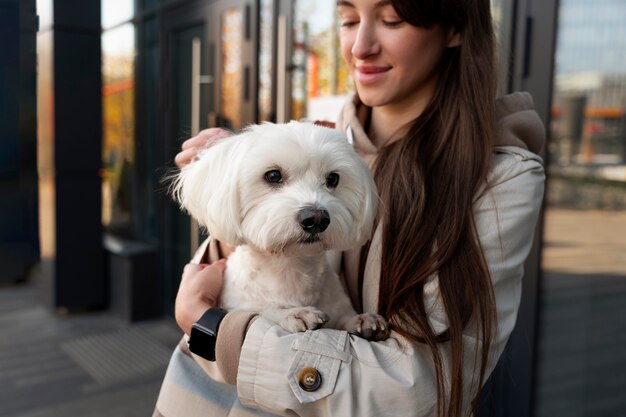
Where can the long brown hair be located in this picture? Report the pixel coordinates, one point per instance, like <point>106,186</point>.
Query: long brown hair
<point>428,182</point>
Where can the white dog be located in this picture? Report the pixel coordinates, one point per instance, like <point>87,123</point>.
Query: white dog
<point>284,195</point>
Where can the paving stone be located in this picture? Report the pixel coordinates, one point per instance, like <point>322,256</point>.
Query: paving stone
<point>88,365</point>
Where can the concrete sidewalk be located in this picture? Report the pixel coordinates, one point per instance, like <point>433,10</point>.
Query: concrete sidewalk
<point>87,365</point>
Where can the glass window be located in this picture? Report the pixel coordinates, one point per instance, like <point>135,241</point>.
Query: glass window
<point>320,78</point>
<point>118,95</point>
<point>148,4</point>
<point>231,93</point>
<point>266,35</point>
<point>149,173</point>
<point>44,12</point>
<point>115,12</point>
<point>583,309</point>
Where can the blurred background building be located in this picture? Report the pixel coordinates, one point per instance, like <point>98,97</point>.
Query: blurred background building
<point>98,95</point>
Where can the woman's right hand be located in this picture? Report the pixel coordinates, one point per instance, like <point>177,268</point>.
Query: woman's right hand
<point>204,139</point>
<point>199,290</point>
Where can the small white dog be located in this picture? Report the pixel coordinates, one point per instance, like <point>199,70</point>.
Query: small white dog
<point>284,195</point>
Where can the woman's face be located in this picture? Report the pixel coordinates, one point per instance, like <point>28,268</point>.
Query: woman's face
<point>392,62</point>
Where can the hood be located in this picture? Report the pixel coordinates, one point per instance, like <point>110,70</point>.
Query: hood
<point>518,124</point>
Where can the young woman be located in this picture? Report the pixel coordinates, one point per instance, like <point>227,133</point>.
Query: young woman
<point>460,186</point>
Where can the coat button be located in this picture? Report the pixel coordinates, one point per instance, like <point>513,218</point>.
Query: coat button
<point>309,379</point>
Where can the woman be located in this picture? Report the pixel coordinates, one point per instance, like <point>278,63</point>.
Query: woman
<point>460,186</point>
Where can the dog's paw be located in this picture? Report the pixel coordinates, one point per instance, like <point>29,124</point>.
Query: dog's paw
<point>369,326</point>
<point>303,319</point>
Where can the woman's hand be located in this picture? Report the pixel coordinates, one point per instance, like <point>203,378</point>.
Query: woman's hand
<point>204,139</point>
<point>199,290</point>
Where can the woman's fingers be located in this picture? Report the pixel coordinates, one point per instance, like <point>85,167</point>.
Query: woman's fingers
<point>199,290</point>
<point>191,147</point>
<point>184,157</point>
<point>206,137</point>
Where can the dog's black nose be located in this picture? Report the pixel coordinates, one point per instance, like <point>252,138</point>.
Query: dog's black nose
<point>313,220</point>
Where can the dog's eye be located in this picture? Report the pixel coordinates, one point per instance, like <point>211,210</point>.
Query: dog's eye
<point>332,180</point>
<point>273,177</point>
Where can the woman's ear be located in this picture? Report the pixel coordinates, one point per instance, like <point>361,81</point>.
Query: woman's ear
<point>454,38</point>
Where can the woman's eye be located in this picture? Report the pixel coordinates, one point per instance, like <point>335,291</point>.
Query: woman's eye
<point>273,177</point>
<point>392,23</point>
<point>348,23</point>
<point>332,180</point>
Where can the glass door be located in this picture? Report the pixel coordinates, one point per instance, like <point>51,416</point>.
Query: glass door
<point>232,34</point>
<point>185,98</point>
<point>209,80</point>
<point>582,326</point>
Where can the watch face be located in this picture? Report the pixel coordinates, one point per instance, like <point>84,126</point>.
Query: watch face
<point>202,342</point>
<point>204,333</point>
<point>204,327</point>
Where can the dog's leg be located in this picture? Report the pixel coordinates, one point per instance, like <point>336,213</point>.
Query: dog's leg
<point>298,319</point>
<point>369,326</point>
<point>336,302</point>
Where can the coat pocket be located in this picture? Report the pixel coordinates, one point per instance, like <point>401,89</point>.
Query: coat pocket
<point>315,367</point>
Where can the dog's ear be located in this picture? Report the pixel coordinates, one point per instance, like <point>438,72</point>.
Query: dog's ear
<point>208,189</point>
<point>364,221</point>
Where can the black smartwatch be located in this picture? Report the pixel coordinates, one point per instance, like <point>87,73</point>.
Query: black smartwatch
<point>204,333</point>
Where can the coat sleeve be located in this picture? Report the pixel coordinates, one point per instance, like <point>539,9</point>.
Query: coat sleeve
<point>394,377</point>
<point>233,327</point>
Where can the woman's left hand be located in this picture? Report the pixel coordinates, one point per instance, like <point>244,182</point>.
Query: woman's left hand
<point>199,290</point>
<point>204,139</point>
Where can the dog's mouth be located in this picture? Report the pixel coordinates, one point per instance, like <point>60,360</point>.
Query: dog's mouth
<point>311,238</point>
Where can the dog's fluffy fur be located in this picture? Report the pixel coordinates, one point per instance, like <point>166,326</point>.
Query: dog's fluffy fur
<point>272,192</point>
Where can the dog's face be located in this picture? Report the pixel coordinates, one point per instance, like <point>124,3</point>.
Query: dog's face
<point>291,188</point>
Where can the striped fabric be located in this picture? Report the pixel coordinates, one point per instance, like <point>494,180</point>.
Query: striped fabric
<point>188,392</point>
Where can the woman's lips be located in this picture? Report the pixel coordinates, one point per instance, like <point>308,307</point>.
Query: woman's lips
<point>370,74</point>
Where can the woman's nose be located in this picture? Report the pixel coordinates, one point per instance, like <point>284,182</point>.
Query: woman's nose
<point>366,42</point>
